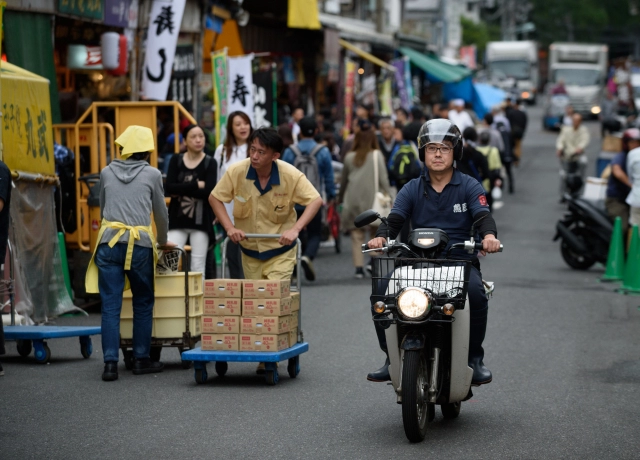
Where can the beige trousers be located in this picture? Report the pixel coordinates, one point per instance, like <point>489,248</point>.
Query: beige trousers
<point>357,240</point>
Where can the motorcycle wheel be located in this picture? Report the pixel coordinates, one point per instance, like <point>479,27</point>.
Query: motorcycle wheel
<point>414,395</point>
<point>573,259</point>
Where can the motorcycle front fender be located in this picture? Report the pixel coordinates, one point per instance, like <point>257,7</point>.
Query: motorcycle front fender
<point>413,341</point>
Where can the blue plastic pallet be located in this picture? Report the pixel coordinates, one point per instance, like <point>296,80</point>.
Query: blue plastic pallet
<point>200,359</point>
<point>29,337</point>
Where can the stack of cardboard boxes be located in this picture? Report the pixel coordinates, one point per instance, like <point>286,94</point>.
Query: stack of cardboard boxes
<point>169,314</point>
<point>249,315</point>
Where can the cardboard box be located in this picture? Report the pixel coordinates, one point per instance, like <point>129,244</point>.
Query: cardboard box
<point>263,342</point>
<point>264,325</point>
<point>293,336</point>
<point>172,285</point>
<point>223,288</point>
<point>222,307</point>
<point>167,307</point>
<point>612,144</point>
<point>293,319</point>
<point>265,289</point>
<point>221,324</point>
<point>266,307</point>
<point>219,342</point>
<point>295,301</point>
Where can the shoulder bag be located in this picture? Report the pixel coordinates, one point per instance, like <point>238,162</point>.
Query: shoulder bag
<point>381,201</point>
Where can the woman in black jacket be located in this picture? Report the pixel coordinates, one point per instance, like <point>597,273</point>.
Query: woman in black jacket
<point>190,179</point>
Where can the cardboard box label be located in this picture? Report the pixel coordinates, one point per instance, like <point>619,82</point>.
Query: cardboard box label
<point>221,324</point>
<point>266,307</point>
<point>247,342</point>
<point>223,288</point>
<point>222,307</point>
<point>295,301</point>
<point>219,342</point>
<point>265,289</point>
<point>264,342</point>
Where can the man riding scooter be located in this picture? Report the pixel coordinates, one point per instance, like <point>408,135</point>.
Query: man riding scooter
<point>445,198</point>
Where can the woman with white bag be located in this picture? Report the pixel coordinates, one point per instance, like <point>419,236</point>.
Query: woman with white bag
<point>364,185</point>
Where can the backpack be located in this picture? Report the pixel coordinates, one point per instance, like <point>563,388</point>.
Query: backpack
<point>308,164</point>
<point>404,165</point>
<point>506,155</point>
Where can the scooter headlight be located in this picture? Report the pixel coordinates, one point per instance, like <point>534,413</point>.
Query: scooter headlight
<point>414,303</point>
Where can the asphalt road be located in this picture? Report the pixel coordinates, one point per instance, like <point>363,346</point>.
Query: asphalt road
<point>563,349</point>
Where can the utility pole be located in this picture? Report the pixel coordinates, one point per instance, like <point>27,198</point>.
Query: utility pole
<point>380,16</point>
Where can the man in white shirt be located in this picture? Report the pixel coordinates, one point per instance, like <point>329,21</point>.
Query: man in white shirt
<point>459,116</point>
<point>570,148</point>
<point>296,116</point>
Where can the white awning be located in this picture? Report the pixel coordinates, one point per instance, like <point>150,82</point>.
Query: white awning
<point>357,30</point>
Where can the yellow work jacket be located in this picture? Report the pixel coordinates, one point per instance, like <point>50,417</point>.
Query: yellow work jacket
<point>269,210</point>
<point>91,280</point>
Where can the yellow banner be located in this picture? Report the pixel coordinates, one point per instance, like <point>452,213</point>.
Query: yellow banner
<point>303,14</point>
<point>27,136</point>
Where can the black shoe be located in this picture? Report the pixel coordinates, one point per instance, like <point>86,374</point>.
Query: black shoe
<point>381,375</point>
<point>1,370</point>
<point>307,266</point>
<point>146,366</point>
<point>110,371</point>
<point>359,273</point>
<point>481,375</point>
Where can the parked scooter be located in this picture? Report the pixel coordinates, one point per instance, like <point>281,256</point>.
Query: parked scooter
<point>585,230</point>
<point>422,303</point>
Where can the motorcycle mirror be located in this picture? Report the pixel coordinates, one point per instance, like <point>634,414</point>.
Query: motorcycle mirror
<point>366,218</point>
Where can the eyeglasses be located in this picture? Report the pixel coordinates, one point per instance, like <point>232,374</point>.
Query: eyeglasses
<point>444,149</point>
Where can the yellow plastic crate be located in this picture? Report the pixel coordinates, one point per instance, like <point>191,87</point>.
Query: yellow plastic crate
<point>173,285</point>
<point>126,328</point>
<point>169,328</point>
<point>167,307</point>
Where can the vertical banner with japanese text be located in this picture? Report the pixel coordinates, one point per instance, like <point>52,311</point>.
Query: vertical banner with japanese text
<point>263,113</point>
<point>384,96</point>
<point>219,73</point>
<point>349,87</point>
<point>183,76</point>
<point>162,36</point>
<point>401,85</point>
<point>240,91</point>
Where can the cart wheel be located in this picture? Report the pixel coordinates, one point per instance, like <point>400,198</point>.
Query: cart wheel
<point>86,347</point>
<point>42,353</point>
<point>24,347</point>
<point>128,358</point>
<point>155,353</point>
<point>221,368</point>
<point>201,375</point>
<point>271,377</point>
<point>294,367</point>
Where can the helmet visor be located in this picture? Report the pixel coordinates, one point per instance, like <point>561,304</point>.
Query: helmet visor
<point>438,131</point>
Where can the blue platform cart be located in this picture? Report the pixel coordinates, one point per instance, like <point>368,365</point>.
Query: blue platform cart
<point>200,357</point>
<point>30,338</point>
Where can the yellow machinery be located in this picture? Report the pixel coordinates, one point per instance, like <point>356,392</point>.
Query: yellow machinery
<point>92,133</point>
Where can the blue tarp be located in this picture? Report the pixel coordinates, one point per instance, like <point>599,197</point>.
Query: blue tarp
<point>481,96</point>
<point>462,89</point>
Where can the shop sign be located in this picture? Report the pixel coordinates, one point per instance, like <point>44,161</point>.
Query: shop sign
<point>116,12</point>
<point>263,99</point>
<point>182,79</point>
<point>162,37</point>
<point>81,57</point>
<point>401,86</point>
<point>350,81</point>
<point>88,9</point>
<point>240,95</point>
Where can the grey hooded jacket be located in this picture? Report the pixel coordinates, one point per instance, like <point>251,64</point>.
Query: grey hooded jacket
<point>130,190</point>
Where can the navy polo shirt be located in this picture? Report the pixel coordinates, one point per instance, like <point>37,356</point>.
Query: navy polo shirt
<point>452,210</point>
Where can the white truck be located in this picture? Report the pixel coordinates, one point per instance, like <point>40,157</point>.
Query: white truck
<point>513,67</point>
<point>582,68</point>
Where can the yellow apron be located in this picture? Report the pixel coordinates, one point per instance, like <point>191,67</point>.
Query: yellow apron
<point>91,280</point>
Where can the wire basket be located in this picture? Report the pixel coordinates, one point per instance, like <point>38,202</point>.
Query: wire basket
<point>446,280</point>
<point>168,262</point>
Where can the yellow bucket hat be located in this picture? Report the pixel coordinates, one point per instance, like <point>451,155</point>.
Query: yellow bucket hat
<point>135,139</point>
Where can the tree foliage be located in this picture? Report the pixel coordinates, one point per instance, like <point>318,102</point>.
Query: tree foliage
<point>478,34</point>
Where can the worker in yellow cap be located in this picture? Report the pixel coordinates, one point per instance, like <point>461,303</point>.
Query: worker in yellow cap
<point>126,253</point>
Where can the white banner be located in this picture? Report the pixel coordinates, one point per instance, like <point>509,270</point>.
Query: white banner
<point>240,86</point>
<point>164,26</point>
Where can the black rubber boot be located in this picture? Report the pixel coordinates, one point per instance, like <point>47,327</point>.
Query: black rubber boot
<point>110,372</point>
<point>481,375</point>
<point>146,366</point>
<point>382,374</point>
